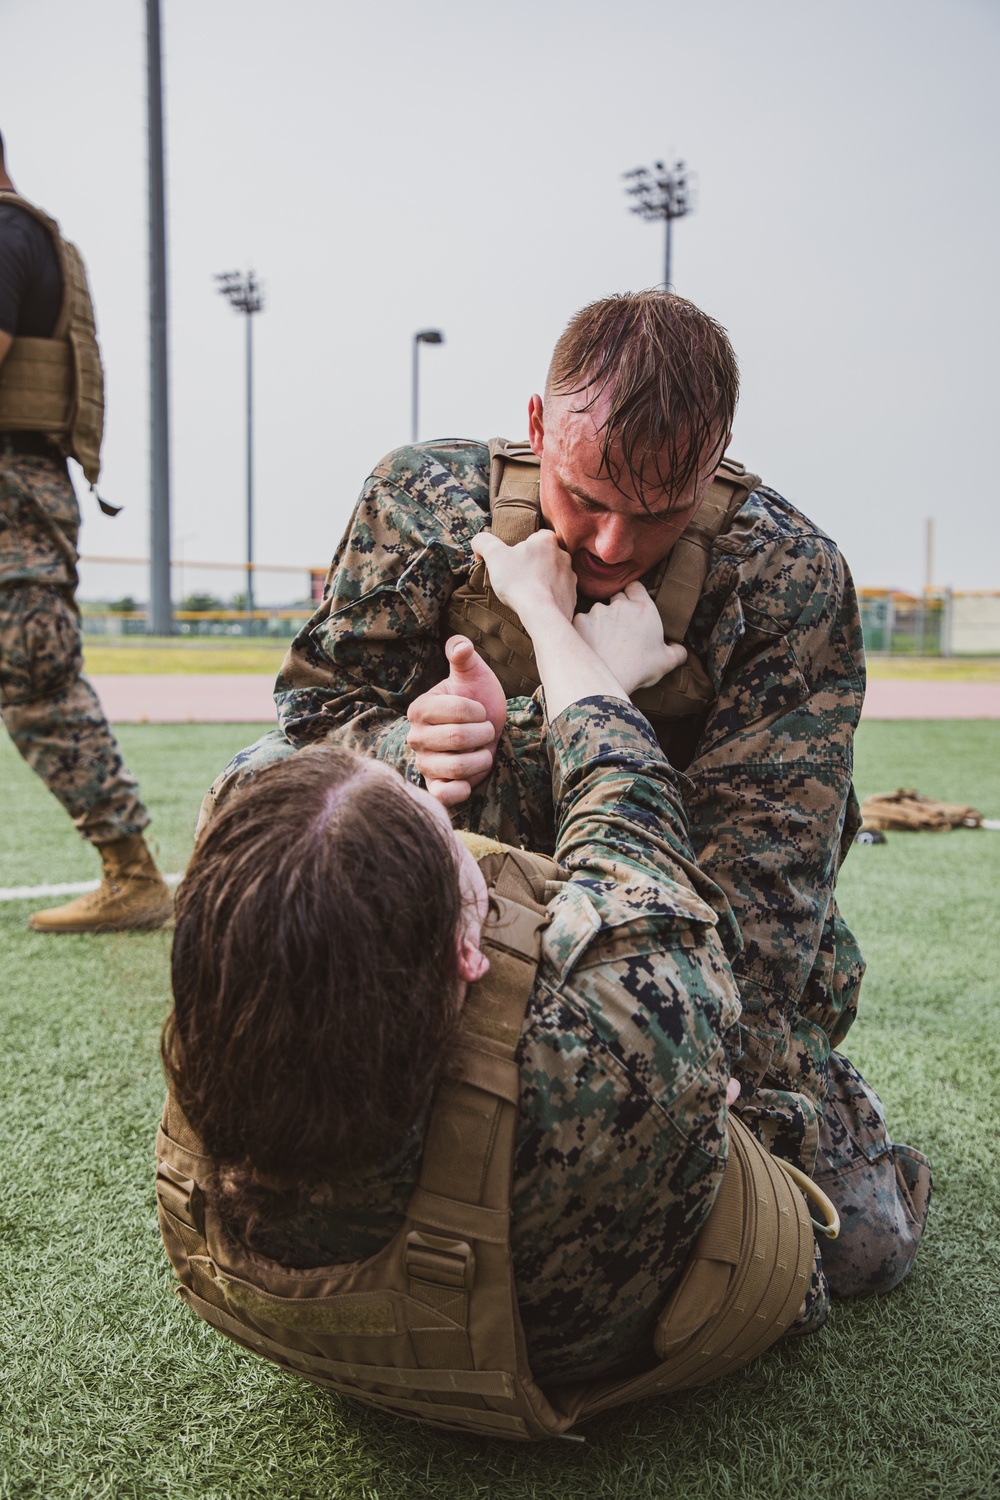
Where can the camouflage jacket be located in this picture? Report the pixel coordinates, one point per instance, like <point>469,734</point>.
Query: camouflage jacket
<point>623,1067</point>
<point>767,791</point>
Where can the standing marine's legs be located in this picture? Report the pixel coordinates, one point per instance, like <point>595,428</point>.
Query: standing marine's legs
<point>51,711</point>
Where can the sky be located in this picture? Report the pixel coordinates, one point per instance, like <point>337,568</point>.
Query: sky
<point>412,164</point>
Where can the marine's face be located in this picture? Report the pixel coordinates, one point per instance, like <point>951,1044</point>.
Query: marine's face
<point>611,535</point>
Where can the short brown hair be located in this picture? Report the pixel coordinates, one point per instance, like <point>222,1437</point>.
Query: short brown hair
<point>671,376</point>
<point>314,970</point>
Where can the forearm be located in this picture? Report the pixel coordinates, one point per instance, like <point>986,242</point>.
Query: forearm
<point>568,668</point>
<point>618,805</point>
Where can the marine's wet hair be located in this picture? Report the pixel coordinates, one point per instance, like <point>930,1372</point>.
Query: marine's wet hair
<point>314,970</point>
<point>670,378</point>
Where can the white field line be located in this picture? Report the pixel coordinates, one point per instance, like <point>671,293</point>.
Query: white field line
<point>65,888</point>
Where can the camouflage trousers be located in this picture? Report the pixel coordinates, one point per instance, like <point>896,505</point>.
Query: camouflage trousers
<point>49,708</point>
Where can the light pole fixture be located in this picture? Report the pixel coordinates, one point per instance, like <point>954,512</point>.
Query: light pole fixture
<point>661,192</point>
<point>246,295</point>
<point>425,336</point>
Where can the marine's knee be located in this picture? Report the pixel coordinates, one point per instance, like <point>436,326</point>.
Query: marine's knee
<point>883,1207</point>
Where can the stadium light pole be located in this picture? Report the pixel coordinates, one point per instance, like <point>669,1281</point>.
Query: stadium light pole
<point>425,336</point>
<point>661,192</point>
<point>246,295</point>
<point>160,620</point>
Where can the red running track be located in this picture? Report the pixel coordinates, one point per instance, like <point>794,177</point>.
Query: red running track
<point>214,698</point>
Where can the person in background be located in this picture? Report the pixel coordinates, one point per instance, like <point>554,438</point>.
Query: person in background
<point>51,408</point>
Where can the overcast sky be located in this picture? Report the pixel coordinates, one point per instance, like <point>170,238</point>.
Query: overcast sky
<point>437,163</point>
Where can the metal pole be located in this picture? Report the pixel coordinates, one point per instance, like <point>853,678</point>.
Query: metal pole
<point>414,424</point>
<point>666,269</point>
<point>160,620</point>
<point>249,317</point>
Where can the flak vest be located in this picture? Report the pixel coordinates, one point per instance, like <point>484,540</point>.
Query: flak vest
<point>502,641</point>
<point>55,386</point>
<point>429,1327</point>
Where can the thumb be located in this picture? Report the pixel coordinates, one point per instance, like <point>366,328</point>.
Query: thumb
<point>461,654</point>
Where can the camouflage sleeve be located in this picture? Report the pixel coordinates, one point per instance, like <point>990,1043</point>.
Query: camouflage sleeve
<point>376,641</point>
<point>619,809</point>
<point>373,644</point>
<point>623,1060</point>
<point>770,809</point>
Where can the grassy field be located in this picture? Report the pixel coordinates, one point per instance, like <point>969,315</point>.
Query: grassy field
<point>110,1388</point>
<point>139,653</point>
<point>936,668</point>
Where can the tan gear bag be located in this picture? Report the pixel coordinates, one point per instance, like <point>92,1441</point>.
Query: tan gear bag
<point>907,810</point>
<point>55,386</point>
<point>498,635</point>
<point>429,1327</point>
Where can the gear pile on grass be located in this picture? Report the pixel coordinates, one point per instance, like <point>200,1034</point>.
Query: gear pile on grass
<point>908,810</point>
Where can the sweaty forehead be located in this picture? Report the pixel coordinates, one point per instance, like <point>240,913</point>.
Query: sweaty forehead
<point>585,469</point>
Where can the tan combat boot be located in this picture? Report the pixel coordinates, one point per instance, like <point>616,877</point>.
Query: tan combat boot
<point>132,896</point>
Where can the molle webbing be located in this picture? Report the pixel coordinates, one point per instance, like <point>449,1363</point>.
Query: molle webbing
<point>55,386</point>
<point>429,1328</point>
<point>496,631</point>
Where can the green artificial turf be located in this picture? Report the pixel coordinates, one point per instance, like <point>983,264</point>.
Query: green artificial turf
<point>109,1387</point>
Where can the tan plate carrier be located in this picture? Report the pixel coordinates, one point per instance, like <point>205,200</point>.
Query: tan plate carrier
<point>515,513</point>
<point>429,1328</point>
<point>55,386</point>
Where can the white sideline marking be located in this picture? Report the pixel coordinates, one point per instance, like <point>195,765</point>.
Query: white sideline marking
<point>66,888</point>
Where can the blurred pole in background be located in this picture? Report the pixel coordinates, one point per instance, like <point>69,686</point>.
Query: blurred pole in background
<point>425,336</point>
<point>160,618</point>
<point>247,296</point>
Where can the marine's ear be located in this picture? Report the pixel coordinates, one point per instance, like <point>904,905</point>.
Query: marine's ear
<point>536,425</point>
<point>472,961</point>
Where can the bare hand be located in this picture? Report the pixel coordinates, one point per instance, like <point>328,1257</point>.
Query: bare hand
<point>455,725</point>
<point>531,578</point>
<point>627,634</point>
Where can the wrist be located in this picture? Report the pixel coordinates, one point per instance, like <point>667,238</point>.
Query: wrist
<point>542,617</point>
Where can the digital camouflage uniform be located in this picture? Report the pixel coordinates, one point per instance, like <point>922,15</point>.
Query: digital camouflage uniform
<point>49,708</point>
<point>767,791</point>
<point>623,1068</point>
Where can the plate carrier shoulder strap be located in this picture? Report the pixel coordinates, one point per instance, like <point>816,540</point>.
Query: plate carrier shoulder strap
<point>429,1327</point>
<point>502,641</point>
<point>55,386</point>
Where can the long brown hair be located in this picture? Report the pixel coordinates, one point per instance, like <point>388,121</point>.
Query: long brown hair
<point>671,377</point>
<point>314,970</point>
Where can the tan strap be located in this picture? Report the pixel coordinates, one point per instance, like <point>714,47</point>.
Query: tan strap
<point>462,1133</point>
<point>478,1382</point>
<point>687,568</point>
